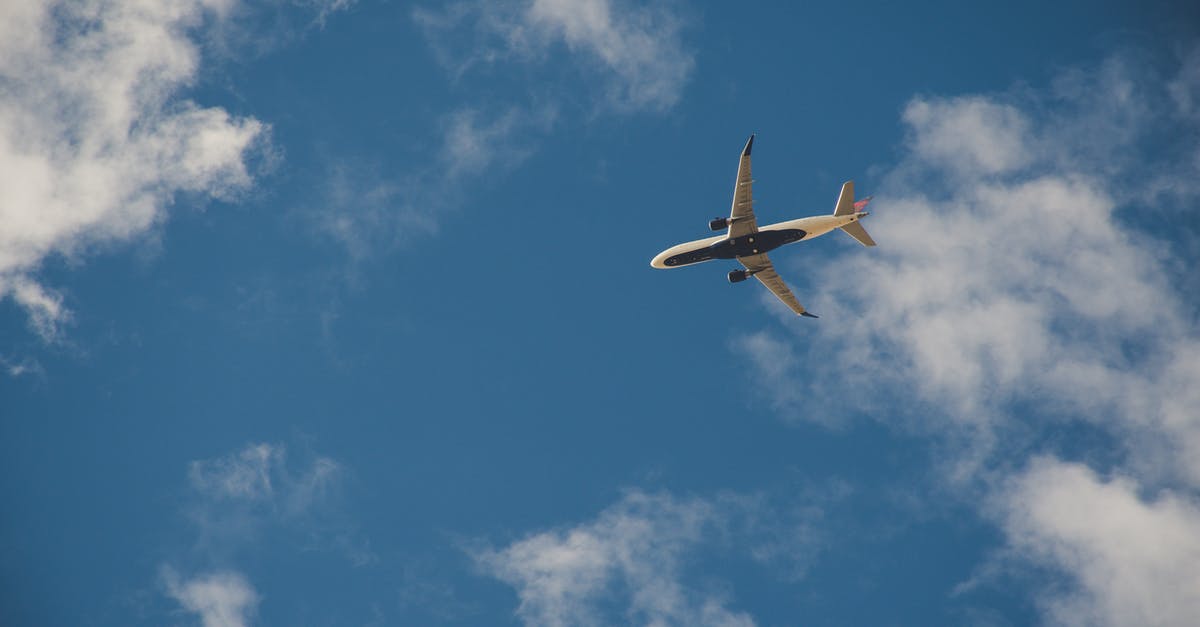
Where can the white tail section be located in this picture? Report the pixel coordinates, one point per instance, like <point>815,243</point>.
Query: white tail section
<point>845,203</point>
<point>847,207</point>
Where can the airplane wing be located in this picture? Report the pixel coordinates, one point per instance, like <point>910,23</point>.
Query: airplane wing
<point>761,266</point>
<point>741,217</point>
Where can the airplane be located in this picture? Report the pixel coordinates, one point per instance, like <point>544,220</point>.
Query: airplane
<point>749,244</point>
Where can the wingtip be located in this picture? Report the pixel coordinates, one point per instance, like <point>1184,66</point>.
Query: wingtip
<point>808,315</point>
<point>749,145</point>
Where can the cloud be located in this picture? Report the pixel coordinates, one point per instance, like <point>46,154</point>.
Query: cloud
<point>637,49</point>
<point>221,599</point>
<point>634,549</point>
<point>633,52</point>
<point>1019,298</point>
<point>241,502</point>
<point>970,134</point>
<point>775,368</point>
<point>363,213</point>
<point>473,142</point>
<point>243,475</point>
<point>366,213</point>
<point>257,478</point>
<point>1136,559</point>
<point>240,496</point>
<point>95,142</point>
<point>631,563</point>
<point>326,8</point>
<point>43,306</point>
<point>19,367</point>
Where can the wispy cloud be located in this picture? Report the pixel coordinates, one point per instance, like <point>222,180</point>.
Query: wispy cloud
<point>366,213</point>
<point>629,563</point>
<point>259,474</point>
<point>19,367</point>
<point>635,49</point>
<point>1015,296</point>
<point>95,142</point>
<point>475,141</point>
<point>239,494</point>
<point>634,52</point>
<point>235,500</point>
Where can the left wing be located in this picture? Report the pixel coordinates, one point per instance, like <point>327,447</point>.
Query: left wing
<point>761,266</point>
<point>741,216</point>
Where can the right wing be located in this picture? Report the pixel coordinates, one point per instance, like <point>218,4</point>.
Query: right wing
<point>765,272</point>
<point>741,217</point>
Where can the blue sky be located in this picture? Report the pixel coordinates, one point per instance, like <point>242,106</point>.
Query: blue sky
<point>339,313</point>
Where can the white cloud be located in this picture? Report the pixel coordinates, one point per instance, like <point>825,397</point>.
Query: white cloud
<point>44,307</point>
<point>221,599</point>
<point>94,141</point>
<point>634,550</point>
<point>631,563</point>
<point>639,45</point>
<point>972,134</point>
<point>1015,297</point>
<point>636,48</point>
<point>1136,559</point>
<point>1016,278</point>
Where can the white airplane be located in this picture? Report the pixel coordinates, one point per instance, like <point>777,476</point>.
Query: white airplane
<point>749,244</point>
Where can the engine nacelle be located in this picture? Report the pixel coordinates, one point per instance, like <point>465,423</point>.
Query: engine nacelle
<point>718,224</point>
<point>737,276</point>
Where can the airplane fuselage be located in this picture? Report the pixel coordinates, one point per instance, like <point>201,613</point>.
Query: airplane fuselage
<point>767,238</point>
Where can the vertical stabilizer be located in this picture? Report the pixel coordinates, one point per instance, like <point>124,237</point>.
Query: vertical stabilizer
<point>845,203</point>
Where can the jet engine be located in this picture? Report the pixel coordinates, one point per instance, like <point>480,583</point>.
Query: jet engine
<point>737,276</point>
<point>718,224</point>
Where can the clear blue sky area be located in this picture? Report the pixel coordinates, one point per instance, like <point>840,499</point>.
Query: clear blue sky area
<point>397,356</point>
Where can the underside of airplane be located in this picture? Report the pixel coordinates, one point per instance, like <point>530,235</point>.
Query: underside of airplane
<point>745,241</point>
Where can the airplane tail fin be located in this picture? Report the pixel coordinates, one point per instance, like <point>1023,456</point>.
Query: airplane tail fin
<point>846,206</point>
<point>845,203</point>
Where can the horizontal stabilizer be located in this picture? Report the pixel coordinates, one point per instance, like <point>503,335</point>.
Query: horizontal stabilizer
<point>856,230</point>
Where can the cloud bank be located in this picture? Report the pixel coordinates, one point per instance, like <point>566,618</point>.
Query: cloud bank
<point>1022,304</point>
